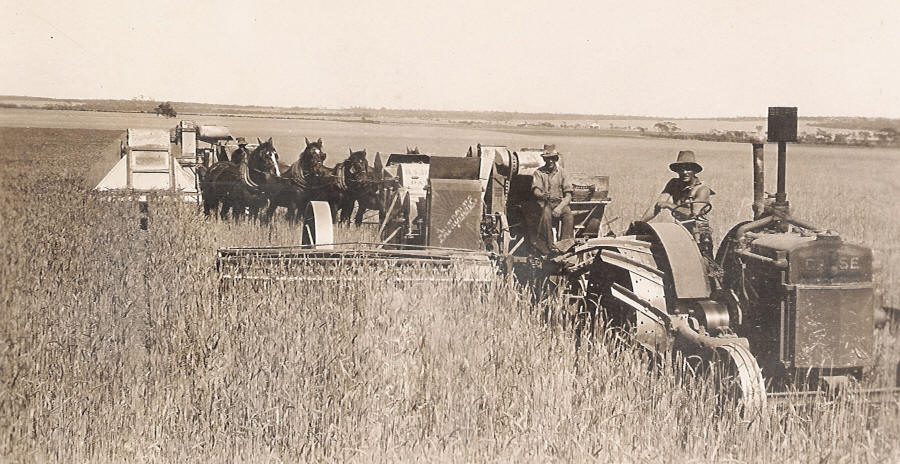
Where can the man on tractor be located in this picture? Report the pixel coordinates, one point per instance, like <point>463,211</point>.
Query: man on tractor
<point>687,199</point>
<point>552,192</point>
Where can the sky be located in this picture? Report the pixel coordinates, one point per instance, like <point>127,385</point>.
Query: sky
<point>644,58</point>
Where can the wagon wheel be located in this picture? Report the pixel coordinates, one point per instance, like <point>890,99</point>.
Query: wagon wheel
<point>738,378</point>
<point>317,227</point>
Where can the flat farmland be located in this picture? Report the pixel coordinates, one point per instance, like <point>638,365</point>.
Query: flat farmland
<point>118,345</point>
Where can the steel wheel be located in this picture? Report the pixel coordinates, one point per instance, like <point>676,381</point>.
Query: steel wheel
<point>738,378</point>
<point>316,226</point>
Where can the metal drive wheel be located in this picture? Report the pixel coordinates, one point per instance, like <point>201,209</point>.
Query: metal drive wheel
<point>738,378</point>
<point>316,224</point>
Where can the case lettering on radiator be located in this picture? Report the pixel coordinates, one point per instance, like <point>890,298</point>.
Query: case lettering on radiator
<point>830,267</point>
<point>848,262</point>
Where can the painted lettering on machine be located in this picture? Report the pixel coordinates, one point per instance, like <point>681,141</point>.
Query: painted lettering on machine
<point>458,216</point>
<point>847,263</point>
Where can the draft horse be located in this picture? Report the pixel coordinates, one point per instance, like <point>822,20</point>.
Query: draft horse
<point>308,179</point>
<point>356,186</point>
<point>240,186</point>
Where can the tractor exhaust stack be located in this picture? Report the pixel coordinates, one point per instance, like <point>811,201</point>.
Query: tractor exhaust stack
<point>781,194</point>
<point>782,129</point>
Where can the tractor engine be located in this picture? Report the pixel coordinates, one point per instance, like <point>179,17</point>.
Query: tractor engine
<point>806,297</point>
<point>806,300</point>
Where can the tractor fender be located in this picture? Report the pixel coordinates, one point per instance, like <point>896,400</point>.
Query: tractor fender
<point>688,269</point>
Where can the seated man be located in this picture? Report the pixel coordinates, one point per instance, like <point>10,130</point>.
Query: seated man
<point>687,195</point>
<point>242,153</point>
<point>552,192</point>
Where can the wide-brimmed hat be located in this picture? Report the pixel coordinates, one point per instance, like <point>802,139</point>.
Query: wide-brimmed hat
<point>687,160</point>
<point>549,152</point>
<point>241,141</point>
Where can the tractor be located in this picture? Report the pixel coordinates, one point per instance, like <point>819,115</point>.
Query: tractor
<point>787,308</point>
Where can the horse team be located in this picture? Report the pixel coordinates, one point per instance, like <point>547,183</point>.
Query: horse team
<point>258,182</point>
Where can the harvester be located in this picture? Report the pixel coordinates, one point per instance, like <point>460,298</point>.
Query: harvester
<point>158,164</point>
<point>163,162</point>
<point>784,307</point>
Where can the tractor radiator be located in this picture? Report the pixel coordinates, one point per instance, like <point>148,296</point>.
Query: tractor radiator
<point>832,326</point>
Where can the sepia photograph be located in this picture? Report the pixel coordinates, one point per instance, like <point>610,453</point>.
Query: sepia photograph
<point>497,231</point>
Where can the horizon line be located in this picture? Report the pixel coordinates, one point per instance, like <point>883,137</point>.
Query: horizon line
<point>385,108</point>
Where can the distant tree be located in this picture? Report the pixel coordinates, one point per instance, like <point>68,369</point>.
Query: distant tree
<point>166,109</point>
<point>887,135</point>
<point>666,127</point>
<point>823,136</point>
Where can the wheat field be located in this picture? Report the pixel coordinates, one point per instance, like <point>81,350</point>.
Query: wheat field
<point>118,345</point>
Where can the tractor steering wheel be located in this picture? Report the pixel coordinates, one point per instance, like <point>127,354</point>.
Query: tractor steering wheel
<point>685,211</point>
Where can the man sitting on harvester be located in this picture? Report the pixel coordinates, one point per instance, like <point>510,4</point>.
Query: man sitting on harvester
<point>687,198</point>
<point>552,192</point>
